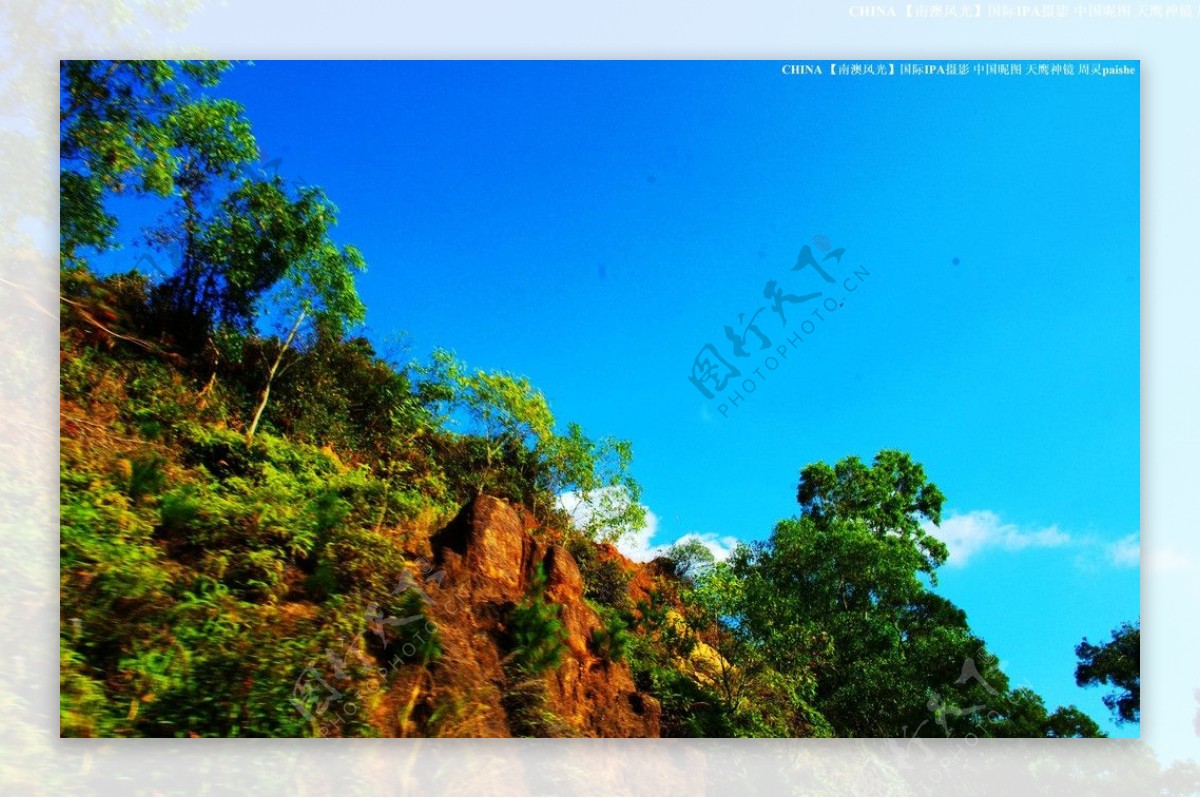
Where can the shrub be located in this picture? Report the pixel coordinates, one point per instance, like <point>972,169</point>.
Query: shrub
<point>146,475</point>
<point>689,559</point>
<point>613,640</point>
<point>510,448</point>
<point>607,583</point>
<point>605,580</point>
<point>529,713</point>
<point>223,453</point>
<point>536,632</point>
<point>322,582</point>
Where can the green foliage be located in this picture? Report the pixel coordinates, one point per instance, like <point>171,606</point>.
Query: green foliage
<point>758,684</point>
<point>689,708</point>
<point>614,639</point>
<point>605,580</point>
<point>831,624</point>
<point>340,392</point>
<point>84,222</point>
<point>1117,663</point>
<point>315,284</point>
<point>148,127</point>
<point>125,126</point>
<point>269,504</point>
<point>536,635</point>
<point>591,481</point>
<point>842,607</point>
<point>1070,722</point>
<point>889,498</point>
<point>189,577</point>
<point>289,234</point>
<point>82,700</point>
<point>502,413</point>
<point>236,251</point>
<point>1022,713</point>
<point>154,641</point>
<point>510,449</point>
<point>238,237</point>
<point>690,559</point>
<point>537,642</point>
<point>146,476</point>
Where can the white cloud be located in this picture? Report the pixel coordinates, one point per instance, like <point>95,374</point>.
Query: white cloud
<point>639,549</point>
<point>967,534</point>
<point>1126,552</point>
<point>636,545</point>
<point>639,546</point>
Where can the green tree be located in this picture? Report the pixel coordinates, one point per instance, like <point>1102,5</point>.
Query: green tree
<point>536,631</point>
<point>341,392</point>
<point>761,689</point>
<point>890,498</point>
<point>591,480</point>
<point>1117,663</point>
<point>690,559</point>
<point>502,412</point>
<point>231,254</point>
<point>840,597</point>
<point>1071,722</point>
<point>316,287</point>
<point>510,428</point>
<point>150,128</point>
<point>122,127</point>
<point>1022,713</point>
<point>839,602</point>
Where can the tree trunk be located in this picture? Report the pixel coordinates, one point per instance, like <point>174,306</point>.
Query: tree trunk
<point>212,380</point>
<point>266,393</point>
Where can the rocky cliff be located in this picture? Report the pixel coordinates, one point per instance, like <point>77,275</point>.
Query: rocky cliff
<point>483,564</point>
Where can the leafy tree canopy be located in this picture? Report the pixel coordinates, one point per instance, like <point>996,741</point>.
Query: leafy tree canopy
<point>1116,663</point>
<point>889,497</point>
<point>139,126</point>
<point>519,451</point>
<point>836,600</point>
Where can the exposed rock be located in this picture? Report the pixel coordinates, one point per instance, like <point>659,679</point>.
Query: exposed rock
<point>641,575</point>
<point>562,573</point>
<point>485,561</point>
<point>487,543</point>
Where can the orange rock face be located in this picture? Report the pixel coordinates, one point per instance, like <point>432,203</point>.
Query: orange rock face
<point>484,562</point>
<point>487,546</point>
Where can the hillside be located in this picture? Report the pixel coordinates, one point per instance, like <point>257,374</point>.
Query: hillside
<point>359,568</point>
<point>270,528</point>
<point>217,587</point>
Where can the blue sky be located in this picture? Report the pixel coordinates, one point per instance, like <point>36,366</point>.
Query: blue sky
<point>592,225</point>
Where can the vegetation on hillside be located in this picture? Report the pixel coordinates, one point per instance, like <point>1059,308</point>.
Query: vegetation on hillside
<point>245,480</point>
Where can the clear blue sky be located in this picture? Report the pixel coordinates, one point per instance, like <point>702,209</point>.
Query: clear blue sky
<point>593,224</point>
